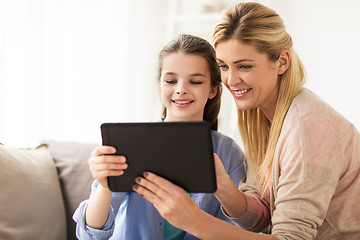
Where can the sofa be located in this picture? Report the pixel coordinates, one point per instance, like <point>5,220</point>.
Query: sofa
<point>41,188</point>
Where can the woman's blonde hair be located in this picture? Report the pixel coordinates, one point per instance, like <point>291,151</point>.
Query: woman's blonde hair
<point>262,27</point>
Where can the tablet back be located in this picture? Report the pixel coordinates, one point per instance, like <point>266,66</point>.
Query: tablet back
<point>178,151</point>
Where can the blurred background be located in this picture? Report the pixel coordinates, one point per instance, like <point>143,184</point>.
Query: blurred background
<point>66,66</point>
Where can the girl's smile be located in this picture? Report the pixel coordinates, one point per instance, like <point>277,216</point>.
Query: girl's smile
<point>182,102</point>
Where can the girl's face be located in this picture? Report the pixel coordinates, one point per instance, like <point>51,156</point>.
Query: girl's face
<point>249,75</point>
<point>185,86</point>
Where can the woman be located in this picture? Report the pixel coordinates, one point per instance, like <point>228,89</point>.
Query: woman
<point>190,90</point>
<point>304,158</point>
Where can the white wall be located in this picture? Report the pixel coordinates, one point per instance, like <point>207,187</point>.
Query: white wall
<point>66,66</point>
<point>326,35</point>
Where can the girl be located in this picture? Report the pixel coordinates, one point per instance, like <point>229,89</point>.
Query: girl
<point>303,178</point>
<point>190,89</point>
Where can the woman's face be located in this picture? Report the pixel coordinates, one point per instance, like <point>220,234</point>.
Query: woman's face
<point>249,75</point>
<point>185,86</point>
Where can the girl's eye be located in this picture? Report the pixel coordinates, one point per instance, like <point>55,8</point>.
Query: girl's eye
<point>196,82</point>
<point>170,81</point>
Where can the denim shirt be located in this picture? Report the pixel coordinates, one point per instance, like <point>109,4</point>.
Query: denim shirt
<point>133,217</point>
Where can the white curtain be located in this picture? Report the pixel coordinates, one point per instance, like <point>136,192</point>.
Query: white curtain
<point>66,66</point>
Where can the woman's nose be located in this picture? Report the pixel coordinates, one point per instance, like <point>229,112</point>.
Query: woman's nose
<point>233,79</point>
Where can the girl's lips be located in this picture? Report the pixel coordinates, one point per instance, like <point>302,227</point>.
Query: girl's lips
<point>182,102</point>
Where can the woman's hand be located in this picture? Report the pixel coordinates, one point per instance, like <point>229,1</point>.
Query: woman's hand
<point>232,200</point>
<point>103,165</point>
<point>223,180</point>
<point>172,202</point>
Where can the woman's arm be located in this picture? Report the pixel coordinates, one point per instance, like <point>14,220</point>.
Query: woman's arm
<point>175,205</point>
<point>232,200</point>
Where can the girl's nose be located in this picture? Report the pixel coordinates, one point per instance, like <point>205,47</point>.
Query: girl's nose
<point>181,89</point>
<point>181,92</point>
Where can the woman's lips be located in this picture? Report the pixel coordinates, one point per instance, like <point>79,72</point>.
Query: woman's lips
<point>241,92</point>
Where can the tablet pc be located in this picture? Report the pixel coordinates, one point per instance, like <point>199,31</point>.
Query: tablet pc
<point>181,152</point>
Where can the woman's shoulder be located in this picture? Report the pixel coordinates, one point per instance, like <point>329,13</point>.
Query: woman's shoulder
<point>312,123</point>
<point>309,108</point>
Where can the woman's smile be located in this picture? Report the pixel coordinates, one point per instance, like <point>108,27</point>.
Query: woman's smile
<point>241,92</point>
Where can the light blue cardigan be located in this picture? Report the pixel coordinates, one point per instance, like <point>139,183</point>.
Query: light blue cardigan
<point>133,217</point>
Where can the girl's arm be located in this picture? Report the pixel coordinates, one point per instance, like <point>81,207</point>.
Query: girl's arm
<point>97,210</point>
<point>101,166</point>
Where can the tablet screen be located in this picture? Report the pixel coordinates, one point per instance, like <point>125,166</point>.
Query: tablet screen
<point>178,151</point>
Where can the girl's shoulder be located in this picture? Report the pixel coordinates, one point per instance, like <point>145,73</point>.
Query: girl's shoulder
<point>220,137</point>
<point>223,143</point>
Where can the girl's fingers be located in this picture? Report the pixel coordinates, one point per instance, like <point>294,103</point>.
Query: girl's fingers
<point>103,150</point>
<point>107,173</point>
<point>107,159</point>
<point>108,166</point>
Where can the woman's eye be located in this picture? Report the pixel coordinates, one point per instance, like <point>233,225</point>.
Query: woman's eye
<point>245,67</point>
<point>223,67</point>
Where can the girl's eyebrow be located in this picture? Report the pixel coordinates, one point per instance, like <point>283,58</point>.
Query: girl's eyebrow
<point>169,73</point>
<point>237,61</point>
<point>192,75</point>
<point>197,75</point>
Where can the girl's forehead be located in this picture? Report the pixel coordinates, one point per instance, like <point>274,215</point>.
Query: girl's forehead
<point>182,62</point>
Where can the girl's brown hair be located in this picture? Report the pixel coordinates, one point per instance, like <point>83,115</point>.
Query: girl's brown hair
<point>189,44</point>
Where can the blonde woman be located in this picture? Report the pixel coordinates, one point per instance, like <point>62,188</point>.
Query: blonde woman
<point>303,180</point>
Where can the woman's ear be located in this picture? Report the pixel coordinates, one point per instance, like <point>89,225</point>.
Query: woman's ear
<point>213,92</point>
<point>284,61</point>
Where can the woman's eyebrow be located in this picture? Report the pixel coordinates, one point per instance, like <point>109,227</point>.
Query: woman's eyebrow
<point>243,60</point>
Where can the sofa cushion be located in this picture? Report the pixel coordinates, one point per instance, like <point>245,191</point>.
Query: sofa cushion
<point>71,159</point>
<point>31,204</point>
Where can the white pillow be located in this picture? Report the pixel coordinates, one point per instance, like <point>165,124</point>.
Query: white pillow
<point>31,204</point>
<point>71,160</point>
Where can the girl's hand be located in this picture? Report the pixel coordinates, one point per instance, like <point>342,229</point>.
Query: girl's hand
<point>103,165</point>
<point>172,202</point>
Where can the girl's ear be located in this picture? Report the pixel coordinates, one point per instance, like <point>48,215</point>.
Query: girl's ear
<point>284,61</point>
<point>213,92</point>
